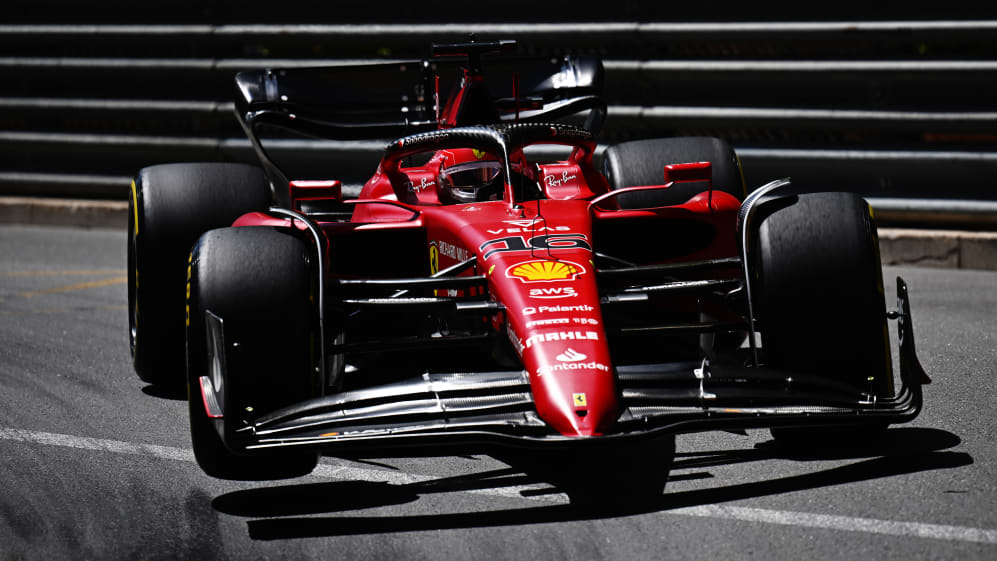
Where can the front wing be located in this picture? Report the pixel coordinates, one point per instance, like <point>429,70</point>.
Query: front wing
<point>496,408</point>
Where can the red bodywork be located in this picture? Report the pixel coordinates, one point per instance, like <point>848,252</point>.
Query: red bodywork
<point>486,288</point>
<point>537,256</point>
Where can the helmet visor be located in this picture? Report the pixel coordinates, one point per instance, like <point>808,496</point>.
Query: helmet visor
<point>471,181</point>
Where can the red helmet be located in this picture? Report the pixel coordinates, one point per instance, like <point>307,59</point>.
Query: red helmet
<point>469,175</point>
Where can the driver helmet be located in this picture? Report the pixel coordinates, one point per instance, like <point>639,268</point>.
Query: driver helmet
<point>469,176</point>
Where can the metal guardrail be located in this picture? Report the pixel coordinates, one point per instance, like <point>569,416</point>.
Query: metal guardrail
<point>935,212</point>
<point>527,29</point>
<point>896,110</point>
<point>925,172</point>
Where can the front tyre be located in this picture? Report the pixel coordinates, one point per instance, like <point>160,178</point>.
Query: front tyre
<point>259,281</point>
<point>819,294</point>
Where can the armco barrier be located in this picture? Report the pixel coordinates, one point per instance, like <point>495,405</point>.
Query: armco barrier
<point>890,107</point>
<point>921,248</point>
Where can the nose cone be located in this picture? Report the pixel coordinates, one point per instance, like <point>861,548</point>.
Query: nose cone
<point>541,269</point>
<point>572,381</point>
<point>554,312</point>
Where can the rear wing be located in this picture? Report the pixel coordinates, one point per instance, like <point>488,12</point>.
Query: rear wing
<point>389,100</point>
<point>339,102</point>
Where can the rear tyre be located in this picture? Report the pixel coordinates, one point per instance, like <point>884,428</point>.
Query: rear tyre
<point>819,295</point>
<point>259,281</point>
<point>169,207</point>
<point>642,162</point>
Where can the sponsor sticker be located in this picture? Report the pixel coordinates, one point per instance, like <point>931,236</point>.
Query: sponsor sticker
<point>424,138</point>
<point>545,271</point>
<point>572,367</point>
<point>422,185</point>
<point>434,258</point>
<point>543,322</point>
<point>561,336</point>
<point>551,293</point>
<point>554,181</point>
<point>530,310</point>
<point>540,227</point>
<point>452,251</point>
<point>571,355</point>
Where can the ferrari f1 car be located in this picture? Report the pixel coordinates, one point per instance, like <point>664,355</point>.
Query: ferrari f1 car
<point>492,285</point>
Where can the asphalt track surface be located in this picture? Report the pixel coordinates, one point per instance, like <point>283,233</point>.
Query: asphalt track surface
<point>95,465</point>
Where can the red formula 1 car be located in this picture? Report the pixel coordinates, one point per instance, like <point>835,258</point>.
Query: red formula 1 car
<point>490,286</point>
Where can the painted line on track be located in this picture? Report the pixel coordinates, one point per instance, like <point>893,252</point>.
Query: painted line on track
<point>66,273</point>
<point>74,309</point>
<point>74,287</point>
<point>744,514</point>
<point>845,523</point>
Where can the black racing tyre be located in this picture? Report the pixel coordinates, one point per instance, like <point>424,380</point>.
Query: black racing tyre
<point>261,283</point>
<point>169,207</point>
<point>819,292</point>
<point>642,162</point>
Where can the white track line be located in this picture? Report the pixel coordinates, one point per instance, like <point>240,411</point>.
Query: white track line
<point>332,471</point>
<point>115,446</point>
<point>846,523</point>
<point>761,515</point>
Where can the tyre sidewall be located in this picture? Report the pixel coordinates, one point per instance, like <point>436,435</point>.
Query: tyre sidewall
<point>258,281</point>
<point>169,207</point>
<point>819,290</point>
<point>642,162</point>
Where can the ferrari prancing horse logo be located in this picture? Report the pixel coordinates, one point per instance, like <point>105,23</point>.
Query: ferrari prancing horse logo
<point>434,259</point>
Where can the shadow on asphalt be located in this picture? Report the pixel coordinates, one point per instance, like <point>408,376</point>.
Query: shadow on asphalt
<point>175,393</point>
<point>313,498</point>
<point>279,512</point>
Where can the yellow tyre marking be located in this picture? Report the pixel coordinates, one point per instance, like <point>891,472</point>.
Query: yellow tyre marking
<point>135,205</point>
<point>740,172</point>
<point>190,260</point>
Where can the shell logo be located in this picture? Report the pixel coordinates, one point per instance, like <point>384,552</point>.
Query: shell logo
<point>545,271</point>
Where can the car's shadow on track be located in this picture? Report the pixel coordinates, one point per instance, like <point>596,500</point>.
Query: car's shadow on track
<point>176,392</point>
<point>279,512</point>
